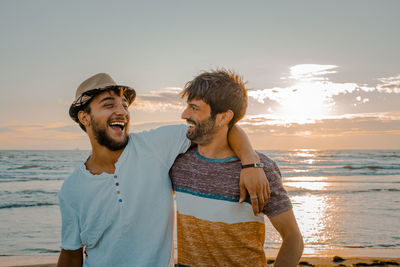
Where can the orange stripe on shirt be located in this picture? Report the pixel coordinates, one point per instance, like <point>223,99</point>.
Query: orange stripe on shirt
<point>205,243</point>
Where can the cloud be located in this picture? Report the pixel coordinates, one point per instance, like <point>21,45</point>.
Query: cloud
<point>310,72</point>
<point>166,99</point>
<point>307,81</point>
<point>310,98</point>
<point>324,90</point>
<point>5,129</point>
<point>42,136</point>
<point>50,127</point>
<point>303,101</point>
<point>310,105</point>
<point>389,85</point>
<point>311,95</point>
<point>337,125</point>
<point>68,128</point>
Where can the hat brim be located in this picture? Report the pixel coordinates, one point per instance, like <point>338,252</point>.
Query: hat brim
<point>81,102</point>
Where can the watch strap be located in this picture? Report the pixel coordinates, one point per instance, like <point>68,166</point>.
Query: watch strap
<point>253,165</point>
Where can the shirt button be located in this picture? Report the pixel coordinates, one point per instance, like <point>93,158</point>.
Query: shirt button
<point>115,176</point>
<point>117,184</point>
<point>118,192</point>
<point>120,200</point>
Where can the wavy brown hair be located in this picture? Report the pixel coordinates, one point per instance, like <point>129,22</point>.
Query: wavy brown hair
<point>222,89</point>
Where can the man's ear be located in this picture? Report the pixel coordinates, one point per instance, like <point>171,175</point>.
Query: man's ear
<point>84,118</point>
<point>225,117</point>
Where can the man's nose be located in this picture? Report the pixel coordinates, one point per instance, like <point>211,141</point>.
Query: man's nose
<point>185,114</point>
<point>121,109</point>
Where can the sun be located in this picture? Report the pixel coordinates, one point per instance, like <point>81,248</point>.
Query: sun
<point>303,102</point>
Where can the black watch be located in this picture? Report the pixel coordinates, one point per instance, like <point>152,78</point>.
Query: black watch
<point>253,165</point>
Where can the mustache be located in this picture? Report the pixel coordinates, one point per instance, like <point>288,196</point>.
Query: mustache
<point>192,121</point>
<point>118,118</point>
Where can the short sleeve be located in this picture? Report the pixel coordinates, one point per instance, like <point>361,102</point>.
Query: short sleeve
<point>168,142</point>
<point>279,201</point>
<point>70,230</point>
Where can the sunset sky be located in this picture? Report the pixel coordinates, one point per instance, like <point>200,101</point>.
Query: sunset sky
<point>321,74</point>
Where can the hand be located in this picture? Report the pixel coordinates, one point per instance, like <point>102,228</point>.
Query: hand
<point>254,181</point>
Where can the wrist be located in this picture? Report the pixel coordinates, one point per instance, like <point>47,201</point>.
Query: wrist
<point>250,158</point>
<point>253,165</point>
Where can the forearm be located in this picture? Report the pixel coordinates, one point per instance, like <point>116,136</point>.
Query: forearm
<point>290,251</point>
<point>241,145</point>
<point>252,180</point>
<point>70,258</point>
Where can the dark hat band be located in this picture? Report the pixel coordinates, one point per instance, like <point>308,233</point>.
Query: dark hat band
<point>87,96</point>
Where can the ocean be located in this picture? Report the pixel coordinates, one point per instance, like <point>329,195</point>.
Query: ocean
<point>342,199</point>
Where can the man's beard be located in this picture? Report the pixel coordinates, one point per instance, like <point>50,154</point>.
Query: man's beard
<point>104,139</point>
<point>203,131</point>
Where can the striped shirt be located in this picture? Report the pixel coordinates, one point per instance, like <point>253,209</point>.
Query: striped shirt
<point>214,229</point>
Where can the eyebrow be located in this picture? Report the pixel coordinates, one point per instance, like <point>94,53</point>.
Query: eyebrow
<point>111,98</point>
<point>194,105</point>
<point>107,98</point>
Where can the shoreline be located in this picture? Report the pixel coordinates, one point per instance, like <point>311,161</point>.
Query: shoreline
<point>50,260</point>
<point>343,252</point>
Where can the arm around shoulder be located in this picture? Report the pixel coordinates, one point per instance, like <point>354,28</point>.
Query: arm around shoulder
<point>70,258</point>
<point>252,180</point>
<point>167,142</point>
<point>292,241</point>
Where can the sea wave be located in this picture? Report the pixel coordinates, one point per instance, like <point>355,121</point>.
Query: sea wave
<point>29,192</point>
<point>376,190</point>
<point>24,167</point>
<point>374,246</point>
<point>388,245</point>
<point>25,205</point>
<point>41,250</point>
<point>338,162</point>
<point>371,167</point>
<point>341,171</point>
<point>27,167</point>
<point>390,156</point>
<point>358,246</point>
<point>29,179</point>
<point>301,191</point>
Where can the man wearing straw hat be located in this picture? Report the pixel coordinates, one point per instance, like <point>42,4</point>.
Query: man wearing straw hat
<point>117,206</point>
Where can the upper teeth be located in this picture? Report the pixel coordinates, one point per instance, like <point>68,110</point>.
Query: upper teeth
<point>117,123</point>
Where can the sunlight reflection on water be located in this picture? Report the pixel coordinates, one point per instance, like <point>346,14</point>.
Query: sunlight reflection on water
<point>309,185</point>
<point>343,212</point>
<point>314,217</point>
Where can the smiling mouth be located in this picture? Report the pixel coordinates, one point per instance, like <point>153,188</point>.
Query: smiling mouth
<point>191,123</point>
<point>117,124</point>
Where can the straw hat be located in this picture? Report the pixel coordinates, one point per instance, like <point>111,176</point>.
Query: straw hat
<point>94,86</point>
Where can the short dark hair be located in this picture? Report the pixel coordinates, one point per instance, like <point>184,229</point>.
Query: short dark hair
<point>74,110</point>
<point>222,89</point>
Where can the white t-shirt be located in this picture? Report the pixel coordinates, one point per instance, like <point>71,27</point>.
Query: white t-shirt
<point>125,218</point>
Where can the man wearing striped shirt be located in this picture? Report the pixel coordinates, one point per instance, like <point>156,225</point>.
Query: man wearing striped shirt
<point>213,228</point>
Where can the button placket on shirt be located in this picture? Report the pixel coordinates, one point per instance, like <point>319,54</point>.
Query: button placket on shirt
<point>117,188</point>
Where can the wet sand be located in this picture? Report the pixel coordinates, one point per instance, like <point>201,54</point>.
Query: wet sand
<point>47,260</point>
<point>51,259</point>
